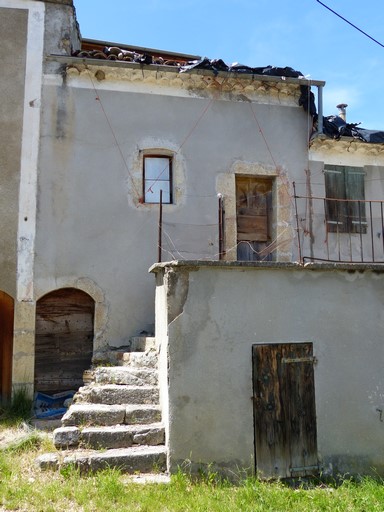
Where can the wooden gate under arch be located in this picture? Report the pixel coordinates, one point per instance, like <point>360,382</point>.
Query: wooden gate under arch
<point>64,339</point>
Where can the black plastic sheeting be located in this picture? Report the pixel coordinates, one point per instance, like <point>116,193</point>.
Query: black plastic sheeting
<point>335,127</point>
<point>217,65</point>
<point>306,100</point>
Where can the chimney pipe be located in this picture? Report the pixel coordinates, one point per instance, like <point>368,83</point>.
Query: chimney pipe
<point>342,111</point>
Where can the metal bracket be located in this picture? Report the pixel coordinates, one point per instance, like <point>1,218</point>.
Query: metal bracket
<point>299,360</point>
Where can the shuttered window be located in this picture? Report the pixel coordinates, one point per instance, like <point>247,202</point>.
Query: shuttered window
<point>254,218</point>
<point>345,206</point>
<point>157,176</point>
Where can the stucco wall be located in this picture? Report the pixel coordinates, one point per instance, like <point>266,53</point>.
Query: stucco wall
<point>13,33</point>
<point>22,33</point>
<point>223,311</point>
<point>91,223</point>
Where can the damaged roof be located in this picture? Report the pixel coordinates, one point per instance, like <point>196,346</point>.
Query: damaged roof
<point>336,127</point>
<point>91,49</point>
<point>106,51</point>
<point>333,126</point>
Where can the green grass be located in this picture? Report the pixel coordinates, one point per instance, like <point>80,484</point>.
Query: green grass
<point>19,409</point>
<point>24,487</point>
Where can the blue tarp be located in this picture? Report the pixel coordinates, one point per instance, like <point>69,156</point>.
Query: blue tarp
<point>51,406</point>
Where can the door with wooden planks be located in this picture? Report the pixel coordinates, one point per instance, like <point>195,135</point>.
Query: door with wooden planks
<point>6,346</point>
<point>254,218</point>
<point>64,340</point>
<point>284,410</point>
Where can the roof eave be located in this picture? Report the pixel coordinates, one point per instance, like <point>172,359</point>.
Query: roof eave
<point>68,60</point>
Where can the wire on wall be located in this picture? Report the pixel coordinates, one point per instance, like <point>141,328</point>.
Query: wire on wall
<point>98,98</point>
<point>209,240</point>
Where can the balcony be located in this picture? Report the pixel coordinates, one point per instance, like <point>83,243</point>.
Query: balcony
<point>339,230</point>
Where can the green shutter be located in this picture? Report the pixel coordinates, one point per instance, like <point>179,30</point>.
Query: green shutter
<point>345,182</point>
<point>354,189</point>
<point>336,212</point>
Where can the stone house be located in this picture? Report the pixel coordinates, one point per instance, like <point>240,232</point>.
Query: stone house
<point>94,137</point>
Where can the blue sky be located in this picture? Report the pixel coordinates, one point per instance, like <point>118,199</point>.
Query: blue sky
<point>301,34</point>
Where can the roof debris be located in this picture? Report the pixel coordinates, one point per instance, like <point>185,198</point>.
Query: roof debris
<point>116,53</point>
<point>215,65</point>
<point>335,127</point>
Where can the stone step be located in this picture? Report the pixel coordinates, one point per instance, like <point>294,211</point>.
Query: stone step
<point>146,359</point>
<point>123,357</point>
<point>142,343</point>
<point>136,459</point>
<point>117,356</point>
<point>142,414</point>
<point>125,375</point>
<point>79,415</point>
<point>110,394</point>
<point>118,436</point>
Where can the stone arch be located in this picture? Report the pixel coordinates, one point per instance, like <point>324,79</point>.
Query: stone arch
<point>6,345</point>
<point>64,338</point>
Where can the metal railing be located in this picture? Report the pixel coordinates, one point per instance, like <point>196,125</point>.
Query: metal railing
<point>339,230</point>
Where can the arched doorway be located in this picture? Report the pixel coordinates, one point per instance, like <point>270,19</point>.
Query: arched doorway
<point>64,339</point>
<point>6,346</point>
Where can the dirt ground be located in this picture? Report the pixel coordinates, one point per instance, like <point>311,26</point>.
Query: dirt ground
<point>12,435</point>
<point>9,436</point>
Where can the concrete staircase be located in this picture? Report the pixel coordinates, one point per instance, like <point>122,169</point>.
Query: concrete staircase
<point>115,419</point>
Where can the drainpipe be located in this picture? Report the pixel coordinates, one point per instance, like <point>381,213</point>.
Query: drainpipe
<point>320,106</point>
<point>342,111</point>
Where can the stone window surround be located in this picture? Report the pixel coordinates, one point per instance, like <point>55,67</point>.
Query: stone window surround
<point>135,183</point>
<point>282,210</point>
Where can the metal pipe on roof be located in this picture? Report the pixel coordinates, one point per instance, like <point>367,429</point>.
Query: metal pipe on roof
<point>342,111</point>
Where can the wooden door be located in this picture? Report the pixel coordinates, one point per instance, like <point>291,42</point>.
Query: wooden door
<point>6,346</point>
<point>64,340</point>
<point>284,410</point>
<point>253,214</point>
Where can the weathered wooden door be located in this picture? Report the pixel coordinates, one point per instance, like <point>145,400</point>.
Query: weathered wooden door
<point>284,410</point>
<point>6,346</point>
<point>64,339</point>
<point>254,218</point>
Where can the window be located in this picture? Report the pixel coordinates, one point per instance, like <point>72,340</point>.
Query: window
<point>254,218</point>
<point>346,184</point>
<point>157,176</point>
